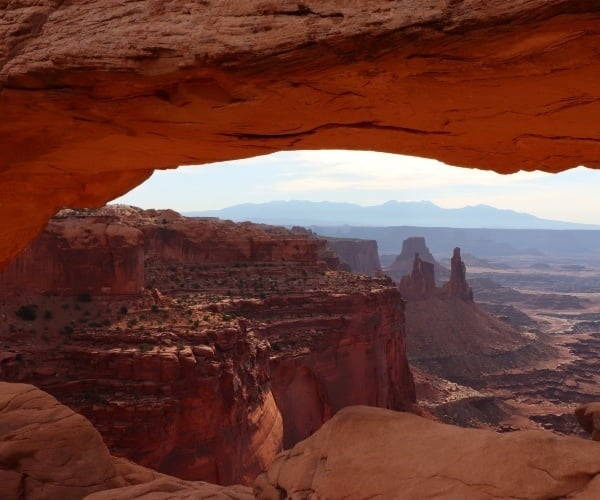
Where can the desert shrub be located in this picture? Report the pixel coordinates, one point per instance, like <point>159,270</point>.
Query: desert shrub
<point>132,322</point>
<point>27,313</point>
<point>84,297</point>
<point>123,310</point>
<point>145,347</point>
<point>48,314</point>
<point>67,329</point>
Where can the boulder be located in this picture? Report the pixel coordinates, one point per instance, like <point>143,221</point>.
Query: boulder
<point>365,452</point>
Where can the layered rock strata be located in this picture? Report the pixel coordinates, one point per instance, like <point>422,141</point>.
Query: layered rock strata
<point>202,374</point>
<point>404,263</point>
<point>77,255</point>
<point>331,351</point>
<point>360,255</point>
<point>85,89</point>
<point>47,451</point>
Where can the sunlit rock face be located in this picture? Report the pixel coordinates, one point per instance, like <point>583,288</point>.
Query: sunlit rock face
<point>352,352</point>
<point>374,453</point>
<point>240,335</point>
<point>80,255</point>
<point>95,96</point>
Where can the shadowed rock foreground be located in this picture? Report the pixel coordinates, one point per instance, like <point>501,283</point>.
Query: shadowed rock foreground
<point>47,452</point>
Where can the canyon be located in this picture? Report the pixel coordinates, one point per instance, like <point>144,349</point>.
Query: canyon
<point>450,336</point>
<point>521,355</point>
<point>94,98</point>
<point>242,339</point>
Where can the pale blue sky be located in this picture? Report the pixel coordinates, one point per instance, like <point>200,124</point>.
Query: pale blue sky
<point>368,178</point>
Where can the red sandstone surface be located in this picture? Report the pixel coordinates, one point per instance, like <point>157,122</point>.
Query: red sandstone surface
<point>84,90</point>
<point>374,453</point>
<point>47,451</point>
<point>95,96</point>
<point>243,339</point>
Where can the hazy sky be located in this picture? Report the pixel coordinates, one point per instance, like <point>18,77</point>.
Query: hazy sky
<point>368,178</point>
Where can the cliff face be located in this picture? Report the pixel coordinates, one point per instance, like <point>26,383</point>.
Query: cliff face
<point>49,451</point>
<point>195,405</point>
<point>360,255</point>
<point>352,353</point>
<point>240,334</point>
<point>404,262</point>
<point>98,255</point>
<point>192,241</point>
<point>337,339</point>
<point>458,286</point>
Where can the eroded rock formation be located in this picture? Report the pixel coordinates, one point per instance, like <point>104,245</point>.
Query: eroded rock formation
<point>374,453</point>
<point>242,338</point>
<point>450,336</point>
<point>94,97</point>
<point>360,255</point>
<point>458,286</point>
<point>48,451</point>
<point>78,254</point>
<point>420,283</point>
<point>85,89</point>
<point>404,264</point>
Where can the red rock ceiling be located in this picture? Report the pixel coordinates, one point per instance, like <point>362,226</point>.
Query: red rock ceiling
<point>95,95</point>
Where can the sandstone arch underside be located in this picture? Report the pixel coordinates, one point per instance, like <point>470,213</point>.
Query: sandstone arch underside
<point>95,95</point>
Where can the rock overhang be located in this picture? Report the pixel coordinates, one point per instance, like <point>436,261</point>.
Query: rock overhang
<point>94,99</point>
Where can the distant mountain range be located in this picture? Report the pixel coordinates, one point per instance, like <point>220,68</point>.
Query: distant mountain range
<point>391,213</point>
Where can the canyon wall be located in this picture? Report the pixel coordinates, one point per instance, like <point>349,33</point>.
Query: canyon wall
<point>360,255</point>
<point>77,255</point>
<point>196,405</point>
<point>84,91</point>
<point>242,339</point>
<point>49,451</point>
<point>208,242</point>
<point>353,352</point>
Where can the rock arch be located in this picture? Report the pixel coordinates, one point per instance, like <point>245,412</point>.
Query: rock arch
<point>93,99</point>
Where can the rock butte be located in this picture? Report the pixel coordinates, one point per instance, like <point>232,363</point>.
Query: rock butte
<point>94,97</point>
